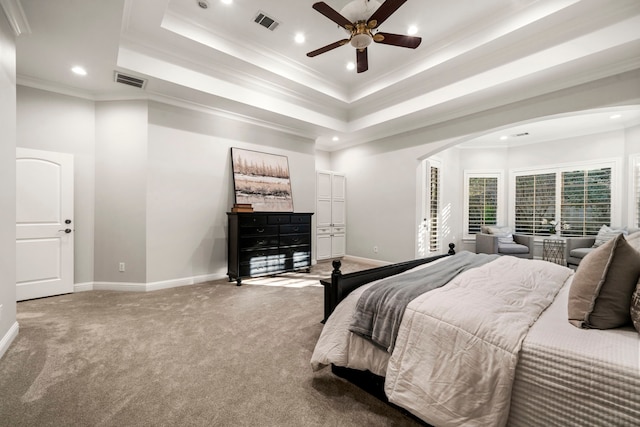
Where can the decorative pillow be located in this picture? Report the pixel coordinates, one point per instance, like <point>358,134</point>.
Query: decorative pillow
<point>602,286</point>
<point>607,233</point>
<point>505,235</point>
<point>635,308</point>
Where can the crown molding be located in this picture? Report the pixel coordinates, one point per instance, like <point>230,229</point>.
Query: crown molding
<point>16,17</point>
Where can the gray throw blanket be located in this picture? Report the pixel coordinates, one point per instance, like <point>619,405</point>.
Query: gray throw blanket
<point>380,308</point>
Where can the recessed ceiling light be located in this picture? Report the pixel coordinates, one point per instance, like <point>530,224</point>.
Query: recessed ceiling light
<point>412,30</point>
<point>299,38</point>
<point>351,66</point>
<point>504,138</point>
<point>226,1</point>
<point>335,139</point>
<point>615,116</point>
<point>79,71</point>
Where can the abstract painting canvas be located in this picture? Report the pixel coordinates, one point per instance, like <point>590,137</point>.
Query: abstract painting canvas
<point>262,179</point>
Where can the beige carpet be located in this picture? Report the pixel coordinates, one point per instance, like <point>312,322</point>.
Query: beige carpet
<point>213,354</point>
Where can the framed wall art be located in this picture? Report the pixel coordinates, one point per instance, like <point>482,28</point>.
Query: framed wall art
<point>262,179</point>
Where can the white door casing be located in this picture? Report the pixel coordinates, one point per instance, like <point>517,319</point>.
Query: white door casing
<point>44,223</point>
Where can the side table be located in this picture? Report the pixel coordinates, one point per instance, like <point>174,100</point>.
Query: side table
<point>553,250</point>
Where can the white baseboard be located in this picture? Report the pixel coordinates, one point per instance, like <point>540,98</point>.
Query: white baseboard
<point>174,283</point>
<point>83,287</point>
<point>8,338</point>
<point>146,287</point>
<point>119,286</point>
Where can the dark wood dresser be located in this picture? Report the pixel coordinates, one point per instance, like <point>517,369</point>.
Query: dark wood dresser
<point>265,243</point>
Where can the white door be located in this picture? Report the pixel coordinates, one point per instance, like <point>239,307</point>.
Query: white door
<point>323,199</point>
<point>338,196</point>
<point>44,223</point>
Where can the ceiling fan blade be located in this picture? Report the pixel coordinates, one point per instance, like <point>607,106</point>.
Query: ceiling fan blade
<point>362,60</point>
<point>330,13</point>
<point>327,48</point>
<point>397,40</point>
<point>385,10</point>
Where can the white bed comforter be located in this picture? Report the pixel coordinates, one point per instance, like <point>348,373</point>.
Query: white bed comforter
<point>457,348</point>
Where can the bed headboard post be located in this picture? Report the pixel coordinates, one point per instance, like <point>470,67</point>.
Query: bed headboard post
<point>451,250</point>
<point>336,268</point>
<point>332,294</point>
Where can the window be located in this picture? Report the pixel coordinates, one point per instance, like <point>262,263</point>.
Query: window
<point>586,201</point>
<point>535,202</point>
<point>580,197</point>
<point>429,233</point>
<point>482,200</point>
<point>434,209</point>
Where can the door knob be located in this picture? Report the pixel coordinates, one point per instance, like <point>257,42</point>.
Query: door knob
<point>67,221</point>
<point>66,230</point>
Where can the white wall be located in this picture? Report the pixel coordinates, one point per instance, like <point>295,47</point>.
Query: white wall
<point>8,325</point>
<point>65,124</point>
<point>323,160</point>
<point>383,189</point>
<point>153,183</point>
<point>121,191</point>
<point>190,187</point>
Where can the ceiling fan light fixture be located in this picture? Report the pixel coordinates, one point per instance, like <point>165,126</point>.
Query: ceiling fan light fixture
<point>359,10</point>
<point>360,41</point>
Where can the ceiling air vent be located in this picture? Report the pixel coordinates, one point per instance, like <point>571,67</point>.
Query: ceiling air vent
<point>266,21</point>
<point>130,80</point>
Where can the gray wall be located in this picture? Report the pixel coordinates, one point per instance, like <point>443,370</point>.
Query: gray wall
<point>53,122</point>
<point>382,177</point>
<point>121,191</point>
<point>190,186</point>
<point>152,182</point>
<point>7,184</point>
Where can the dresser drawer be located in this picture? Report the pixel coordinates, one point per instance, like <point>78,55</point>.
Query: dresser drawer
<point>248,220</point>
<point>259,230</point>
<point>258,242</point>
<point>294,239</point>
<point>295,228</point>
<point>260,256</point>
<point>278,219</point>
<point>300,219</point>
<point>298,256</point>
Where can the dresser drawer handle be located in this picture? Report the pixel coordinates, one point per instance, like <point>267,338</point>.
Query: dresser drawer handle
<point>260,230</point>
<point>296,228</point>
<point>261,242</point>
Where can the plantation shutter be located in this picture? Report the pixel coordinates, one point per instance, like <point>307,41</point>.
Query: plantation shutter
<point>434,209</point>
<point>586,201</point>
<point>535,201</point>
<point>483,203</point>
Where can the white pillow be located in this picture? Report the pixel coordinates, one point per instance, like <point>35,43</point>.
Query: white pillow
<point>607,233</point>
<point>504,234</point>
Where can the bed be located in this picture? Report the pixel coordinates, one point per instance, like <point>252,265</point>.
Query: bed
<point>466,353</point>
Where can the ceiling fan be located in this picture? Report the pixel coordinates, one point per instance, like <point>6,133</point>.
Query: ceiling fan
<point>363,30</point>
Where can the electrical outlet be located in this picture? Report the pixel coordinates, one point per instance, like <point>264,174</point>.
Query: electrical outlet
<point>375,249</point>
<point>121,266</point>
